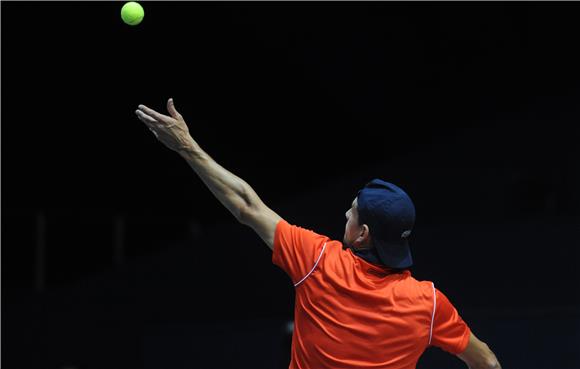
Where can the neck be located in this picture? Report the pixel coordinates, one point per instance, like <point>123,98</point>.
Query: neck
<point>362,248</point>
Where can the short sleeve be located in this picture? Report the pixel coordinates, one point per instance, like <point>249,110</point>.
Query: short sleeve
<point>297,250</point>
<point>450,333</point>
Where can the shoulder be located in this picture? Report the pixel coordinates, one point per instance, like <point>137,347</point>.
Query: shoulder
<point>288,230</point>
<point>295,240</point>
<point>334,250</point>
<point>424,290</point>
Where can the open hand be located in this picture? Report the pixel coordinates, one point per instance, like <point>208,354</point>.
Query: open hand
<point>171,130</point>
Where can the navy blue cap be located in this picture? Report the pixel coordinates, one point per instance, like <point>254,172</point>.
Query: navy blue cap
<point>390,215</point>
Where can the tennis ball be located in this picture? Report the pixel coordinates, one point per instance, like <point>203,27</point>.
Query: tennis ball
<point>132,13</point>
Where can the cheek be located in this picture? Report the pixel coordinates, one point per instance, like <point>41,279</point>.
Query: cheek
<point>348,228</point>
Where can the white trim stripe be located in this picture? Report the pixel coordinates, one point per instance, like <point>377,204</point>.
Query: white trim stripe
<point>314,267</point>
<point>433,315</point>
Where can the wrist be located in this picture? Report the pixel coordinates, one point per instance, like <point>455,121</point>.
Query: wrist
<point>190,152</point>
<point>187,145</point>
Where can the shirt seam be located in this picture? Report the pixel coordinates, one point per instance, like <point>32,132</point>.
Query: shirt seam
<point>313,268</point>
<point>433,314</point>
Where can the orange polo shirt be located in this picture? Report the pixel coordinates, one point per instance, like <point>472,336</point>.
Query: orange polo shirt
<point>350,313</point>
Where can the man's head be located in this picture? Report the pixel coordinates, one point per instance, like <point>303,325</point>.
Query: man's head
<point>381,216</point>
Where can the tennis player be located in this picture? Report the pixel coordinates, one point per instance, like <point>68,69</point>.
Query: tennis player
<point>357,305</point>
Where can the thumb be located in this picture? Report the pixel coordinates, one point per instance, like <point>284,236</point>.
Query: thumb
<point>172,110</point>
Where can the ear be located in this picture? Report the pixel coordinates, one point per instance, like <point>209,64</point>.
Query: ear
<point>364,237</point>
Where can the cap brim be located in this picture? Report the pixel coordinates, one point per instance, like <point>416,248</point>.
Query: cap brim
<point>395,255</point>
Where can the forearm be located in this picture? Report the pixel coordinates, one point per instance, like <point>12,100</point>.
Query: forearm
<point>232,191</point>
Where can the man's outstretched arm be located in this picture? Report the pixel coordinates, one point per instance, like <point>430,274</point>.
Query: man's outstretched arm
<point>233,192</point>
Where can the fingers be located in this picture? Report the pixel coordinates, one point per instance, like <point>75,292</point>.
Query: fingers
<point>149,121</point>
<point>171,109</point>
<point>153,113</point>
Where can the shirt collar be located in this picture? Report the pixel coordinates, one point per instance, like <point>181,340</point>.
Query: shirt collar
<point>371,255</point>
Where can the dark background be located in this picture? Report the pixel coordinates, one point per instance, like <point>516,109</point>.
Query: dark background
<point>472,108</point>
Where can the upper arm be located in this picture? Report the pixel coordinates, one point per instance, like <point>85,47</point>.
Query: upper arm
<point>262,220</point>
<point>449,332</point>
<point>478,355</point>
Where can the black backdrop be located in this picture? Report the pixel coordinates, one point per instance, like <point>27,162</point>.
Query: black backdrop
<point>471,107</point>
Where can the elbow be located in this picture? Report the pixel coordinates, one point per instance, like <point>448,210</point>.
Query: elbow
<point>245,214</point>
<point>241,206</point>
<point>245,211</point>
<point>248,208</point>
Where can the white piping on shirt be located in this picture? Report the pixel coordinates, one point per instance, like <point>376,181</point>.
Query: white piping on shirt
<point>433,315</point>
<point>314,267</point>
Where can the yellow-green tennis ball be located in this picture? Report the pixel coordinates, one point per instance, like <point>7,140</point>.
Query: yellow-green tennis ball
<point>132,13</point>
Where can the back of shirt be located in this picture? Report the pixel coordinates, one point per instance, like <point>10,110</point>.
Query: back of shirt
<point>353,314</point>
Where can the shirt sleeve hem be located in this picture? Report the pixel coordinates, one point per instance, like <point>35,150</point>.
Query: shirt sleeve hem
<point>464,342</point>
<point>276,245</point>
